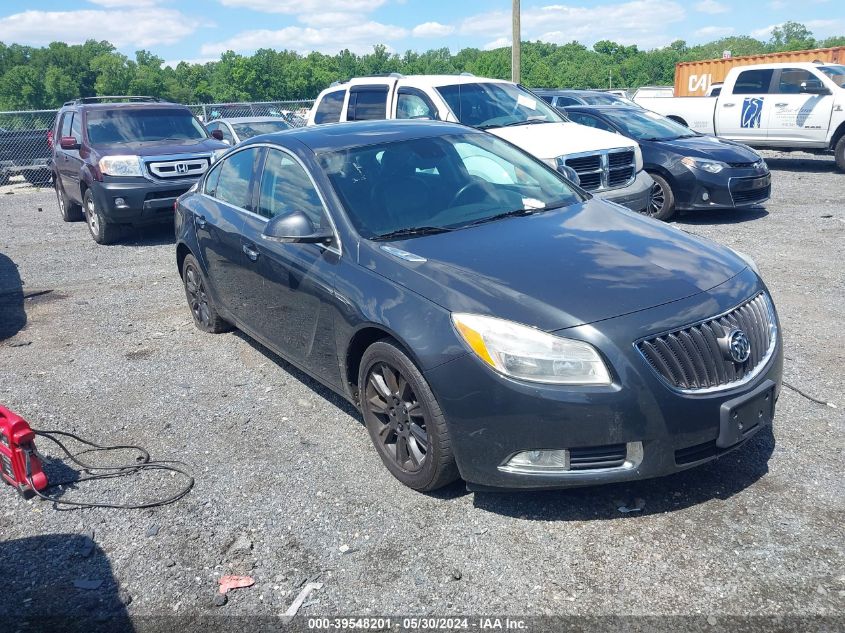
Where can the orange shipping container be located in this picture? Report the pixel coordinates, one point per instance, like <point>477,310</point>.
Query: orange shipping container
<point>692,79</point>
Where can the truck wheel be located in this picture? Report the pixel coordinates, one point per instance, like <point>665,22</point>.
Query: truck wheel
<point>70,212</point>
<point>103,232</point>
<point>405,422</point>
<point>839,153</point>
<point>662,203</point>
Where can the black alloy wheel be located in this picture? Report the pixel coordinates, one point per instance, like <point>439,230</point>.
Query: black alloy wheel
<point>661,205</point>
<point>202,307</point>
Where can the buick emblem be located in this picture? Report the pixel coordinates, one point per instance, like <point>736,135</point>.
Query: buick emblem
<point>181,168</point>
<point>739,347</point>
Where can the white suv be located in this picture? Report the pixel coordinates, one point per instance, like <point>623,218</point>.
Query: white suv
<point>605,164</point>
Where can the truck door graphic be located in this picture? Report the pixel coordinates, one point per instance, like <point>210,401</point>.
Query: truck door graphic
<point>752,108</point>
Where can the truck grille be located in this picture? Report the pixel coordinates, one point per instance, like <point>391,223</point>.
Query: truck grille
<point>187,167</point>
<point>603,170</point>
<point>693,358</point>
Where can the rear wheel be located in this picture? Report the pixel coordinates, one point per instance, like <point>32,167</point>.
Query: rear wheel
<point>70,212</point>
<point>202,306</point>
<point>103,232</point>
<point>404,420</point>
<point>839,153</point>
<point>662,203</point>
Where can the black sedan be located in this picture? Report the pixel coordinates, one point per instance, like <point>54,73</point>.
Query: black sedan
<point>490,320</point>
<point>690,170</point>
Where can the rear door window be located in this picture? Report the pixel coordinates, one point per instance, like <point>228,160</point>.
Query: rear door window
<point>367,103</point>
<point>753,82</point>
<point>330,107</point>
<point>234,185</point>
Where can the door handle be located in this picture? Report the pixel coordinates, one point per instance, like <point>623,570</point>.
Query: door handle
<point>728,105</point>
<point>201,221</point>
<point>250,252</point>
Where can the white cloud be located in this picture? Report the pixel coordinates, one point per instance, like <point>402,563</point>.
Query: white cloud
<point>714,31</point>
<point>336,19</point>
<point>819,28</point>
<point>135,4</point>
<point>303,7</point>
<point>137,27</point>
<point>632,22</point>
<point>358,38</point>
<point>500,42</point>
<point>432,29</point>
<point>711,6</point>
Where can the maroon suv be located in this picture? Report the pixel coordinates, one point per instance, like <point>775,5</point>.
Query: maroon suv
<point>123,161</point>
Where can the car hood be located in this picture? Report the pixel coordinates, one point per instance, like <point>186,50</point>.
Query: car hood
<point>709,147</point>
<point>557,269</point>
<point>165,148</point>
<point>550,140</point>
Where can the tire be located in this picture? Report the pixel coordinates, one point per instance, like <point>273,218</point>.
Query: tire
<point>839,153</point>
<point>404,420</point>
<point>661,205</point>
<point>103,232</point>
<point>205,314</point>
<point>70,211</point>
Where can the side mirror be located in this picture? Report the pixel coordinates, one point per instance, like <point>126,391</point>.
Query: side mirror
<point>814,87</point>
<point>68,142</point>
<point>295,227</point>
<point>218,134</point>
<point>570,174</point>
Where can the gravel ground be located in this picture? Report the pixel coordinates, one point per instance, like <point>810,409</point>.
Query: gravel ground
<point>289,489</point>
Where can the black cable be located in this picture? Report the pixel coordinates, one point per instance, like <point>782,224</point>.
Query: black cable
<point>142,463</point>
<point>809,397</point>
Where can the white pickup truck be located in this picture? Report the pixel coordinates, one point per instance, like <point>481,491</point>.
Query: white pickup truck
<point>608,165</point>
<point>797,106</point>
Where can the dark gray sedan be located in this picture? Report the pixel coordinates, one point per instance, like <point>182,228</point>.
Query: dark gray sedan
<point>490,320</point>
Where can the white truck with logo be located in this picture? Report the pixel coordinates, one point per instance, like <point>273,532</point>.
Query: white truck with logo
<point>605,164</point>
<point>797,106</point>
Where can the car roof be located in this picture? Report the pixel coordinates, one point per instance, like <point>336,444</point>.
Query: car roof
<point>570,91</point>
<point>418,80</point>
<point>248,119</point>
<point>132,105</point>
<point>337,136</point>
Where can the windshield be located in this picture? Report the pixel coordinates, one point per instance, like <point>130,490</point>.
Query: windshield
<point>485,105</point>
<point>440,183</point>
<point>603,99</point>
<point>836,73</point>
<point>643,125</point>
<point>254,128</point>
<point>108,127</point>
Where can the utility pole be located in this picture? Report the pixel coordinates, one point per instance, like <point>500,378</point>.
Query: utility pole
<point>516,46</point>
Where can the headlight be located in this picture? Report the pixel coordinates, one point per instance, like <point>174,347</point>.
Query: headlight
<point>638,158</point>
<point>217,154</point>
<point>527,353</point>
<point>121,165</point>
<point>748,260</point>
<point>711,166</point>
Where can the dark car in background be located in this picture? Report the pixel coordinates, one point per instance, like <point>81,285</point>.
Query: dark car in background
<point>563,98</point>
<point>490,320</point>
<point>690,170</point>
<point>123,161</point>
<point>25,153</point>
<point>233,130</point>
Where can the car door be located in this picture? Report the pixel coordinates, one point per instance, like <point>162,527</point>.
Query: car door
<point>412,103</point>
<point>799,113</point>
<point>68,162</point>
<point>291,305</point>
<point>742,114</point>
<point>228,200</point>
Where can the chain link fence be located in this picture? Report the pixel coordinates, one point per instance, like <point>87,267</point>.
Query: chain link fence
<point>26,136</point>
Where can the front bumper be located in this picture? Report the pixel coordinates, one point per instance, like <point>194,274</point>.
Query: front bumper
<point>635,196</point>
<point>729,189</point>
<point>661,431</point>
<point>144,201</point>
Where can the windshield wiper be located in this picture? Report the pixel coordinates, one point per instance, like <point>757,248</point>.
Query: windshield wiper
<point>525,122</point>
<point>516,213</point>
<point>412,231</point>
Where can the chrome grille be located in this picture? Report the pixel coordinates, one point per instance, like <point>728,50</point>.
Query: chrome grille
<point>693,358</point>
<point>603,170</point>
<point>192,167</point>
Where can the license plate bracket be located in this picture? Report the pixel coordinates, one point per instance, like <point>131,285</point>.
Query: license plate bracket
<point>743,415</point>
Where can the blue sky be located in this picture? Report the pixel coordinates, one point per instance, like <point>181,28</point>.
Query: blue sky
<point>199,30</point>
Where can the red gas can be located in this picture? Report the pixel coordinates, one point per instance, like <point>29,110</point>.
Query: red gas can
<point>17,446</point>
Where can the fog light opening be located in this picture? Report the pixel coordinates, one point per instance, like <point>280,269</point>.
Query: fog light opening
<point>120,203</point>
<point>705,196</point>
<point>538,461</point>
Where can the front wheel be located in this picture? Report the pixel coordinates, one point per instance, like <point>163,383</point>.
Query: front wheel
<point>404,420</point>
<point>839,153</point>
<point>662,203</point>
<point>103,232</point>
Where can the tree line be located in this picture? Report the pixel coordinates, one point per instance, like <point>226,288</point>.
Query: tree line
<point>45,77</point>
